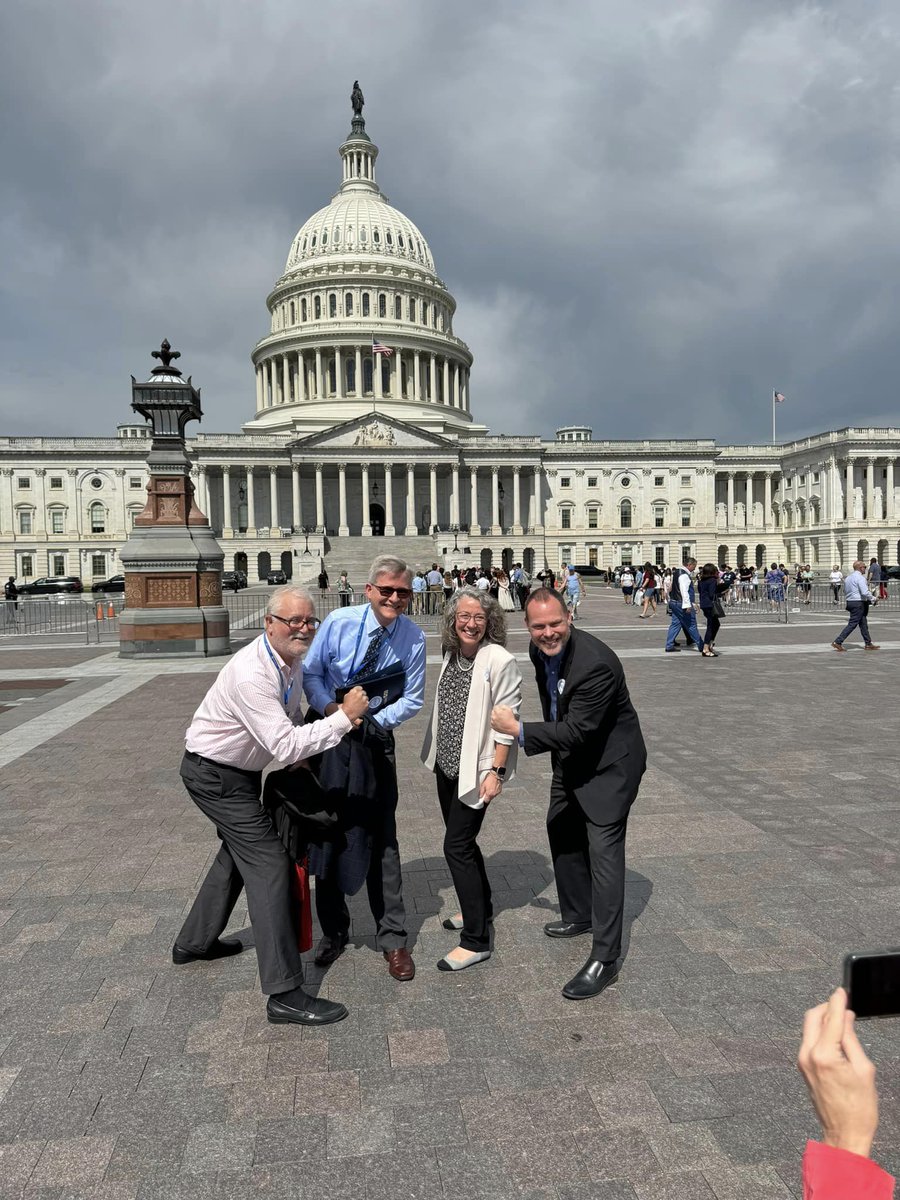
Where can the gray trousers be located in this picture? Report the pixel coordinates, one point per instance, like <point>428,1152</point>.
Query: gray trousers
<point>859,616</point>
<point>384,881</point>
<point>251,856</point>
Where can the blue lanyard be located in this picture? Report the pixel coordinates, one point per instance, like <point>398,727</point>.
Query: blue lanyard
<point>286,694</point>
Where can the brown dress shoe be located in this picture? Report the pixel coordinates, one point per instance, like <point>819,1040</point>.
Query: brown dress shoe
<point>400,963</point>
<point>872,646</point>
<point>838,646</point>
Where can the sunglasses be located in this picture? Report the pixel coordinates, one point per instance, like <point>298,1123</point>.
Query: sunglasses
<point>387,592</point>
<point>297,622</point>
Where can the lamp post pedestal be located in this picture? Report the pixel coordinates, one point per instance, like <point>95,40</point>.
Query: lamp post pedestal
<point>172,562</point>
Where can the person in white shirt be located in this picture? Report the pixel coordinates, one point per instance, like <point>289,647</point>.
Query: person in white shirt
<point>249,718</point>
<point>482,582</point>
<point>836,578</point>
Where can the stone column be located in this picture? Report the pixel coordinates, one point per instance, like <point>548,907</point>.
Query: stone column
<point>767,501</point>
<point>474,523</point>
<point>538,502</point>
<point>417,376</point>
<point>729,511</point>
<point>376,376</point>
<point>389,529</point>
<point>397,374</point>
<point>889,491</point>
<point>432,469</point>
<point>748,503</point>
<point>273,371</point>
<point>338,374</point>
<point>357,359</point>
<point>202,498</point>
<point>320,497</point>
<point>296,508</point>
<point>495,500</point>
<point>446,393</point>
<point>319,389</point>
<point>251,505</point>
<point>286,379</point>
<point>517,502</point>
<point>343,528</point>
<point>454,494</point>
<point>455,394</point>
<point>848,493</point>
<point>432,366</point>
<point>259,386</point>
<point>273,496</point>
<point>301,377</point>
<point>411,528</point>
<point>870,489</point>
<point>227,529</point>
<point>366,523</point>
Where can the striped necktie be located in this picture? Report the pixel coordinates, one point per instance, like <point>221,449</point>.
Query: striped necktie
<point>370,659</point>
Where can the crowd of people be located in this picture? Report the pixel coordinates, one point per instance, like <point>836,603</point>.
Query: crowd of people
<point>362,671</point>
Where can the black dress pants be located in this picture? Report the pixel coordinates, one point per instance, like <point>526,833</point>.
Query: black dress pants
<point>589,864</point>
<point>859,616</point>
<point>464,858</point>
<point>251,856</point>
<point>384,881</point>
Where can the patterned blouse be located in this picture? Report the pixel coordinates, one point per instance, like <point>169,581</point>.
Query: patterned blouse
<point>452,698</point>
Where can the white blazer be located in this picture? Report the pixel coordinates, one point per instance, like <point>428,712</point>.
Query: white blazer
<point>496,679</point>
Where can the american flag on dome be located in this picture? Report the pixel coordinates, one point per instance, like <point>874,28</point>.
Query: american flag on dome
<point>381,348</point>
<point>777,398</point>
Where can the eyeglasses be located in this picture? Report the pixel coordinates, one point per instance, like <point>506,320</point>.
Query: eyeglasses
<point>386,592</point>
<point>297,622</point>
<point>465,619</point>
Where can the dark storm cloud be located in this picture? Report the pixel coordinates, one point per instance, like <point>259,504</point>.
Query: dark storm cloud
<point>649,214</point>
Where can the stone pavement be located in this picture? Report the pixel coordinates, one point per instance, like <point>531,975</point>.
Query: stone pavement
<point>763,846</point>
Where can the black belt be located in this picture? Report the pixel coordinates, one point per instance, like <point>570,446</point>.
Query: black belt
<point>211,762</point>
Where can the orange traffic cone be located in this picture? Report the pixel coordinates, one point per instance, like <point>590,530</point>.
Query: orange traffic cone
<point>110,612</point>
<point>99,610</point>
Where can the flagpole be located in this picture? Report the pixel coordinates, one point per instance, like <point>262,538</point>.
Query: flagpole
<point>773,416</point>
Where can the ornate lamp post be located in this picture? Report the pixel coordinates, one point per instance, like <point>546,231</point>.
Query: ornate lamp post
<point>172,562</point>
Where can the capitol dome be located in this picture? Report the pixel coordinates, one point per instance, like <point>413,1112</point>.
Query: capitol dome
<point>360,321</point>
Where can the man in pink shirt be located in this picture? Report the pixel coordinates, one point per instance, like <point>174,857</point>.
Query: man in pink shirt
<point>248,719</point>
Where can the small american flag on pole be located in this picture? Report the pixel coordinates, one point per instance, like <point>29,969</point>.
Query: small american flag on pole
<point>380,348</point>
<point>777,398</point>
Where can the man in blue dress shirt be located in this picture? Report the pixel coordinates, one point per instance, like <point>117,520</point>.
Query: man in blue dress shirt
<point>859,598</point>
<point>361,640</point>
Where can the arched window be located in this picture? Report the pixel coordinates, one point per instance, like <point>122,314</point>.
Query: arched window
<point>401,241</point>
<point>337,235</point>
<point>424,312</point>
<point>350,374</point>
<point>367,376</point>
<point>332,304</point>
<point>317,308</point>
<point>312,244</point>
<point>385,374</point>
<point>324,237</point>
<point>332,377</point>
<point>98,517</point>
<point>398,309</point>
<point>303,247</point>
<point>390,240</point>
<point>26,520</point>
<point>303,309</point>
<point>348,304</point>
<point>292,312</point>
<point>362,234</point>
<point>412,309</point>
<point>382,304</point>
<point>376,237</point>
<point>625,514</point>
<point>659,516</point>
<point>365,304</point>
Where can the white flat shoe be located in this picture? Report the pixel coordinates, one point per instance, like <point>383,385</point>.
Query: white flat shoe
<point>447,964</point>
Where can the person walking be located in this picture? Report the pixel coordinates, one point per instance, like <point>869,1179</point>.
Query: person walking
<point>249,718</point>
<point>626,583</point>
<point>859,599</point>
<point>323,581</point>
<point>711,589</point>
<point>593,735</point>
<point>504,592</point>
<point>345,590</point>
<point>648,607</point>
<point>681,608</point>
<point>775,579</point>
<point>353,643</point>
<point>836,580</point>
<point>11,607</point>
<point>574,591</point>
<point>470,761</point>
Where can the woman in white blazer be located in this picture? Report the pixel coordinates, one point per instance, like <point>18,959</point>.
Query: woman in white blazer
<point>471,762</point>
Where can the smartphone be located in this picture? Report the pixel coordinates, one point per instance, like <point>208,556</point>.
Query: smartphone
<point>872,982</point>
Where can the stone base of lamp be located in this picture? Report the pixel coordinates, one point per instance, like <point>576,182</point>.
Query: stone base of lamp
<point>174,632</point>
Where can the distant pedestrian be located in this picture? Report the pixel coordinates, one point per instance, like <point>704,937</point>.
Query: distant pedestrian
<point>681,608</point>
<point>859,600</point>
<point>11,592</point>
<point>626,583</point>
<point>836,579</point>
<point>775,586</point>
<point>650,586</point>
<point>711,589</point>
<point>345,589</point>
<point>323,581</point>
<point>572,588</point>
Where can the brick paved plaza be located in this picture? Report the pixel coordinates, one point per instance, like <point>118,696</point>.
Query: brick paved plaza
<point>763,846</point>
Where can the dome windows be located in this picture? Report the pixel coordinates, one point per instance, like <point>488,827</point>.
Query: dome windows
<point>303,247</point>
<point>332,304</point>
<point>398,308</point>
<point>424,312</point>
<point>303,309</point>
<point>365,304</point>
<point>389,239</point>
<point>293,313</point>
<point>382,304</point>
<point>412,309</point>
<point>363,236</point>
<point>313,242</point>
<point>376,237</point>
<point>401,241</point>
<point>324,237</point>
<point>348,304</point>
<point>317,308</point>
<point>337,235</point>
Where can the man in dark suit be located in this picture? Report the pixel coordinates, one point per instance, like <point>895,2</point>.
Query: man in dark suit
<point>598,756</point>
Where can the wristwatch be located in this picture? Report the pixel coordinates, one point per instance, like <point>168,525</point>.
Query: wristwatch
<point>500,772</point>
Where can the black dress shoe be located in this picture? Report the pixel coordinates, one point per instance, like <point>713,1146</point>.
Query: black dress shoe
<point>567,928</point>
<point>311,1011</point>
<point>330,949</point>
<point>218,949</point>
<point>593,977</point>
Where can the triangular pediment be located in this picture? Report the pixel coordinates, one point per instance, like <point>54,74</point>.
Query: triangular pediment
<point>373,432</point>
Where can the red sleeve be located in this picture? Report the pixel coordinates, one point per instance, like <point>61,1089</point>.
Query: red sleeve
<point>832,1174</point>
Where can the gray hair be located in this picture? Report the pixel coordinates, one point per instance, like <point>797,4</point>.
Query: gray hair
<point>290,589</point>
<point>495,630</point>
<point>389,564</point>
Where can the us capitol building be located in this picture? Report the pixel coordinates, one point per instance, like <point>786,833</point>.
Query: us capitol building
<point>348,445</point>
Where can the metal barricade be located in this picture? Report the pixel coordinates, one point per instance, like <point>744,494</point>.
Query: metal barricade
<point>247,609</point>
<point>825,597</point>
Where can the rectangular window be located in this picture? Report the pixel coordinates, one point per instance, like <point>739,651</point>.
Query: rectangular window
<point>382,304</point>
<point>27,565</point>
<point>659,480</point>
<point>56,483</point>
<point>802,480</point>
<point>565,481</point>
<point>659,555</point>
<point>686,548</point>
<point>134,483</point>
<point>592,556</point>
<point>592,480</point>
<point>57,521</point>
<point>685,516</point>
<point>25,521</point>
<point>57,564</point>
<point>816,476</point>
<point>565,554</point>
<point>685,481</point>
<point>566,518</point>
<point>23,483</point>
<point>412,310</point>
<point>98,565</point>
<point>659,517</point>
<point>98,519</point>
<point>593,522</point>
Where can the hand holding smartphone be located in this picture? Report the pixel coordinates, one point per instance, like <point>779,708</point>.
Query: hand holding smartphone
<point>872,983</point>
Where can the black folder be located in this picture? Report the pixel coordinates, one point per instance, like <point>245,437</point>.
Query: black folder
<point>383,687</point>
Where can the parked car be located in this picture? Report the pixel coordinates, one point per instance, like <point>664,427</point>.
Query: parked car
<point>891,572</point>
<point>52,585</point>
<point>276,577</point>
<point>589,572</point>
<point>231,579</point>
<point>115,583</point>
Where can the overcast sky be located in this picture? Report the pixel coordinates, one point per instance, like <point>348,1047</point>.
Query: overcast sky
<point>649,214</point>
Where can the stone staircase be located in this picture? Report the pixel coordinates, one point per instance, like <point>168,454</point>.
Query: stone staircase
<point>355,554</point>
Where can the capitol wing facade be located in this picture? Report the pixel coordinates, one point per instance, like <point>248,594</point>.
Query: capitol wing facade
<point>363,427</point>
